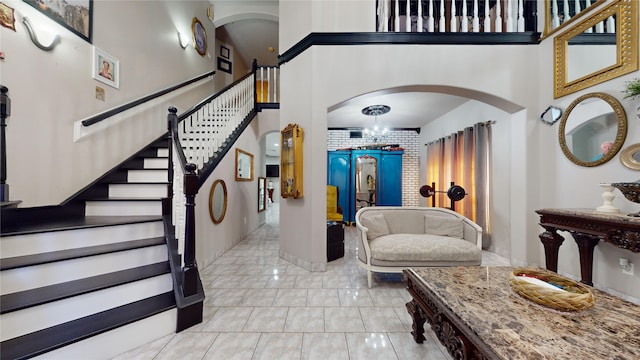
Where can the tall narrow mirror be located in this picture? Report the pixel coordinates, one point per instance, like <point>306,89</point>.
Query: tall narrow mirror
<point>365,181</point>
<point>262,193</point>
<point>601,47</point>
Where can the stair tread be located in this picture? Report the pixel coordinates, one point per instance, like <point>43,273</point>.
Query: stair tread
<point>137,183</point>
<point>33,297</point>
<point>55,337</point>
<point>76,223</point>
<point>53,256</point>
<point>117,198</point>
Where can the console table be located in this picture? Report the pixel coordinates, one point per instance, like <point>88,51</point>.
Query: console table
<point>587,227</point>
<point>475,315</point>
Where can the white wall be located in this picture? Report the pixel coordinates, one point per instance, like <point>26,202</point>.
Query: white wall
<point>50,91</point>
<point>537,173</point>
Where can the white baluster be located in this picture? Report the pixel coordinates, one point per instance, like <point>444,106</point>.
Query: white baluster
<point>269,86</point>
<point>611,25</point>
<point>430,20</point>
<point>419,23</point>
<point>464,18</point>
<point>407,20</point>
<point>498,20</point>
<point>383,15</point>
<point>508,11</point>
<point>454,21</point>
<point>600,25</point>
<point>520,16</point>
<point>396,21</point>
<point>555,20</point>
<point>475,24</point>
<point>441,23</point>
<point>487,18</point>
<point>565,11</point>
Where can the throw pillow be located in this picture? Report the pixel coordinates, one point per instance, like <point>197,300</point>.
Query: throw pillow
<point>444,226</point>
<point>376,224</point>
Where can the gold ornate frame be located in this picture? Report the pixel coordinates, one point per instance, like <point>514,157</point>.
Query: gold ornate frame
<point>547,24</point>
<point>626,13</point>
<point>199,36</point>
<point>218,220</point>
<point>627,159</point>
<point>248,157</point>
<point>620,135</point>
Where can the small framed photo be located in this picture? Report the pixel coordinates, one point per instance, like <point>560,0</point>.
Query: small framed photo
<point>225,65</point>
<point>106,68</point>
<point>225,52</point>
<point>7,17</point>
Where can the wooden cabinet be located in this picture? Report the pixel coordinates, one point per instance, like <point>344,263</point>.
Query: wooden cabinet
<point>350,171</point>
<point>291,161</point>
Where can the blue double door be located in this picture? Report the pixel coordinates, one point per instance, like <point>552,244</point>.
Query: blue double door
<point>345,170</point>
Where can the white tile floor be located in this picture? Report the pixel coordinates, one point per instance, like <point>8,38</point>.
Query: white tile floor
<point>259,306</point>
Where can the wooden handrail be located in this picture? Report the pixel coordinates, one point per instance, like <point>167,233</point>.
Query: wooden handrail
<point>109,113</point>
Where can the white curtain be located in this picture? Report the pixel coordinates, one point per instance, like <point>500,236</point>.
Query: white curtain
<point>464,158</point>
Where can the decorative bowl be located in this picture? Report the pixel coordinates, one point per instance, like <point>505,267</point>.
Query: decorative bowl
<point>573,296</point>
<point>631,192</point>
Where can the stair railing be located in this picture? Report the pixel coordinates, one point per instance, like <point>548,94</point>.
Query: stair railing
<point>199,139</point>
<point>463,16</point>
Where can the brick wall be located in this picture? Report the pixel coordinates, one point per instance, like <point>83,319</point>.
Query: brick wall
<point>407,139</point>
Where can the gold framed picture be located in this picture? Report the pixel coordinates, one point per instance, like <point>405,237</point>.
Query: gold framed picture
<point>199,36</point>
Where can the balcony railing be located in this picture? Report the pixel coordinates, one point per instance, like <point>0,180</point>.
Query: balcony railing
<point>456,16</point>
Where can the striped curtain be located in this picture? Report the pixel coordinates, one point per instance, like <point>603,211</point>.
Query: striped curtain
<point>464,158</point>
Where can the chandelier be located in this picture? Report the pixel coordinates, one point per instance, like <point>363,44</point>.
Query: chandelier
<point>376,133</point>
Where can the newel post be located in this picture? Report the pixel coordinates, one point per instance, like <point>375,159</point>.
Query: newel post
<point>172,126</point>
<point>190,270</point>
<point>5,112</point>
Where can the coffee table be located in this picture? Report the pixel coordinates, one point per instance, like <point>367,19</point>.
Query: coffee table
<point>475,315</point>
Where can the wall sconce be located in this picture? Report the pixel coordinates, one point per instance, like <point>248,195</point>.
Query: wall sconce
<point>183,40</point>
<point>34,37</point>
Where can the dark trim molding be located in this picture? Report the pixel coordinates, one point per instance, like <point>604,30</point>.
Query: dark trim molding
<point>375,38</point>
<point>109,113</point>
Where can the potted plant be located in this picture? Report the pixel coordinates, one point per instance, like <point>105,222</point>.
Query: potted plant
<point>632,89</point>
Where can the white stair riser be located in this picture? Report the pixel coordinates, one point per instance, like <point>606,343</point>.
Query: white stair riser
<point>21,322</point>
<point>137,191</point>
<point>118,341</point>
<point>123,208</point>
<point>152,163</point>
<point>20,245</point>
<point>31,277</point>
<point>160,176</point>
<point>162,152</point>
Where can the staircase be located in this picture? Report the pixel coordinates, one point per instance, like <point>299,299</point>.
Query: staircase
<point>90,286</point>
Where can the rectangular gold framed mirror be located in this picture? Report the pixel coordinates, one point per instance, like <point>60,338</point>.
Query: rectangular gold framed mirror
<point>262,194</point>
<point>598,48</point>
<point>244,165</point>
<point>562,13</point>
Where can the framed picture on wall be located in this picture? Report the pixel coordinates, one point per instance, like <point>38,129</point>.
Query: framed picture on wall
<point>225,52</point>
<point>225,65</point>
<point>106,68</point>
<point>199,35</point>
<point>75,15</point>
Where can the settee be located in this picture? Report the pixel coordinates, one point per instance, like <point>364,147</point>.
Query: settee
<point>394,238</point>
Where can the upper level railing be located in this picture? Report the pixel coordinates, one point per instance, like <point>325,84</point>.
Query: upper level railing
<point>456,16</point>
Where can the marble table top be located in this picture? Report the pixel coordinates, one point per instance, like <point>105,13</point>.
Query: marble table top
<point>516,328</point>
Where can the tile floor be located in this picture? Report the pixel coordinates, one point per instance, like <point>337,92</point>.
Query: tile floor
<point>259,306</point>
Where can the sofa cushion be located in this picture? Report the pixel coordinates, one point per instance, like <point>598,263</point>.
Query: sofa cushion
<point>414,247</point>
<point>444,225</point>
<point>376,225</point>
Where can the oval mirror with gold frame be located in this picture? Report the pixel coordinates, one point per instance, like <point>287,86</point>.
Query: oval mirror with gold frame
<point>630,157</point>
<point>592,129</point>
<point>598,48</point>
<point>218,201</point>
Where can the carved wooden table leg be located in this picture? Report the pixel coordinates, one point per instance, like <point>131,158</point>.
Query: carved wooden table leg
<point>419,319</point>
<point>586,245</point>
<point>551,241</point>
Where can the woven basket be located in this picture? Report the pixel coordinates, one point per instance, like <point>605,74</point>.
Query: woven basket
<point>576,297</point>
